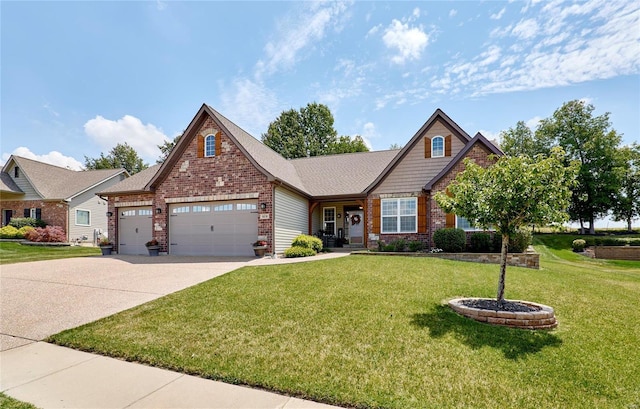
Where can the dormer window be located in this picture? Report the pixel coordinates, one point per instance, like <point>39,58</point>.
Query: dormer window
<point>437,147</point>
<point>210,145</point>
<point>16,172</point>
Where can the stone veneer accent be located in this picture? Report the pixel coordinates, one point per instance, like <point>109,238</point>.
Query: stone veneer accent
<point>543,318</point>
<point>527,260</point>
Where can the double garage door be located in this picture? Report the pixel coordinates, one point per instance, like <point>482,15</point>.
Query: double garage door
<point>213,229</point>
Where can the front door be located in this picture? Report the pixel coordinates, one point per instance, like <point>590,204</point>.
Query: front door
<point>356,227</point>
<point>6,217</point>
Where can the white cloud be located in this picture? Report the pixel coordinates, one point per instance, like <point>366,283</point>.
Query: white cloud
<point>533,122</point>
<point>526,29</point>
<point>369,132</point>
<point>297,33</point>
<point>251,105</point>
<point>52,158</point>
<point>498,15</point>
<point>453,12</point>
<point>143,138</point>
<point>492,136</point>
<point>409,42</point>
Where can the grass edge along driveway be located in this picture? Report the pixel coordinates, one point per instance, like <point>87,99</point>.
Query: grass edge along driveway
<point>362,334</point>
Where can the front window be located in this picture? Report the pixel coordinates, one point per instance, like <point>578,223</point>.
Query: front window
<point>399,215</point>
<point>210,145</point>
<point>437,147</point>
<point>329,214</point>
<point>83,218</point>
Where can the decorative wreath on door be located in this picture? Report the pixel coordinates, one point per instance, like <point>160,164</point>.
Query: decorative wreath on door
<point>355,219</point>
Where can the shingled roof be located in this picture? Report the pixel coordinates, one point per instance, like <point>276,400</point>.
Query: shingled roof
<point>56,183</point>
<point>135,183</point>
<point>7,184</point>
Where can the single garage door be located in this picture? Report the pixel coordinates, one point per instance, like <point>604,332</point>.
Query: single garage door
<point>213,228</point>
<point>135,228</point>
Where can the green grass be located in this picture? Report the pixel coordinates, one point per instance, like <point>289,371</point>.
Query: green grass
<point>7,402</point>
<point>11,252</point>
<point>373,332</point>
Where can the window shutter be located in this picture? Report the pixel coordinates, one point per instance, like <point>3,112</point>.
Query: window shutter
<point>218,144</point>
<point>447,145</point>
<point>27,212</point>
<point>200,146</point>
<point>38,213</point>
<point>427,148</point>
<point>422,214</point>
<point>450,220</point>
<point>376,216</point>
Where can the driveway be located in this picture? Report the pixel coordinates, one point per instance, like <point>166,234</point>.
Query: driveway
<point>42,298</point>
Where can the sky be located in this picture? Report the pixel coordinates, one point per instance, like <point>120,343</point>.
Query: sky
<point>79,77</point>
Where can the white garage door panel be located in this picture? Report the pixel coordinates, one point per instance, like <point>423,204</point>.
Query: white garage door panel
<point>134,229</point>
<point>216,228</point>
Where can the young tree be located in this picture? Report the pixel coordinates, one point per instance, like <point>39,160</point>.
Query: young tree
<point>120,156</point>
<point>591,141</point>
<point>514,192</point>
<point>309,132</point>
<point>626,206</point>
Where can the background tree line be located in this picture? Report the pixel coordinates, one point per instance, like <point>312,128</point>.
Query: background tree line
<point>608,179</point>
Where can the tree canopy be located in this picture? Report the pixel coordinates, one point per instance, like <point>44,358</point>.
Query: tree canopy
<point>519,141</point>
<point>592,142</point>
<point>166,148</point>
<point>120,156</point>
<point>514,192</point>
<point>626,205</point>
<point>309,132</point>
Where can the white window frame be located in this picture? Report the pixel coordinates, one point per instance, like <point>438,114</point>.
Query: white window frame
<point>325,221</point>
<point>88,214</point>
<point>33,213</point>
<point>435,154</point>
<point>207,153</point>
<point>399,216</point>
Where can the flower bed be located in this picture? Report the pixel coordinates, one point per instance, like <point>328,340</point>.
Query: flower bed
<point>539,316</point>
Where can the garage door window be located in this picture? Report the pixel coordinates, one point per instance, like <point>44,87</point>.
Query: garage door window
<point>129,213</point>
<point>144,212</point>
<point>181,209</point>
<point>223,208</point>
<point>201,209</point>
<point>246,206</point>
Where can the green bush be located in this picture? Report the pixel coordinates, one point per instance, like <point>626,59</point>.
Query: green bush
<point>480,242</point>
<point>19,222</point>
<point>609,241</point>
<point>298,251</point>
<point>450,240</point>
<point>578,245</point>
<point>8,232</point>
<point>309,242</point>
<point>518,243</point>
<point>416,245</point>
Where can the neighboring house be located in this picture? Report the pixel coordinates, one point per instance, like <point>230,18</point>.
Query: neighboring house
<point>221,189</point>
<point>58,196</point>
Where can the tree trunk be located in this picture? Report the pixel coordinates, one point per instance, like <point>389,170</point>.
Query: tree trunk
<point>629,229</point>
<point>592,226</point>
<point>581,226</point>
<point>503,268</point>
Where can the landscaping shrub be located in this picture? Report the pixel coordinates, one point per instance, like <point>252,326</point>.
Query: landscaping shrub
<point>397,245</point>
<point>8,232</point>
<point>19,222</point>
<point>578,245</point>
<point>480,242</point>
<point>450,240</point>
<point>298,251</point>
<point>518,243</point>
<point>309,242</point>
<point>48,234</point>
<point>416,245</point>
<point>609,241</point>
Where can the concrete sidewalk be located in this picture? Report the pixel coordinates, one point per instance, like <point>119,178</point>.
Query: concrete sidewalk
<point>50,376</point>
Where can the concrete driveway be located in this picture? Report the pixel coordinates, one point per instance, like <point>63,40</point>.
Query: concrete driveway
<point>42,298</point>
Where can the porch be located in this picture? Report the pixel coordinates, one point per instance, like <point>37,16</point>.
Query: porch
<point>339,224</point>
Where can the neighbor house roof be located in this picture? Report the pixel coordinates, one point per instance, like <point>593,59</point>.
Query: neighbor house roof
<point>478,138</point>
<point>7,184</point>
<point>53,182</point>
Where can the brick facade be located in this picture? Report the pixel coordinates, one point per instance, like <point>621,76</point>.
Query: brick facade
<point>53,213</point>
<point>227,176</point>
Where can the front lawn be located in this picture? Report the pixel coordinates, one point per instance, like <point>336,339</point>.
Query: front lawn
<point>374,333</point>
<point>12,252</point>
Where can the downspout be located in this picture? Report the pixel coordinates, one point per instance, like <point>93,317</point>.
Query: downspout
<point>273,220</point>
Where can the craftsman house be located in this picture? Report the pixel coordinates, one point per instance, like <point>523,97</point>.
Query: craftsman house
<point>58,196</point>
<point>221,189</point>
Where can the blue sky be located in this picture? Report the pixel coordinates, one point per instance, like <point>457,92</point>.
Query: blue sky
<point>79,77</point>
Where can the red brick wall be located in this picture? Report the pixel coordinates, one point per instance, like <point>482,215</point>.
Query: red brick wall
<point>53,213</point>
<point>436,218</point>
<point>230,173</point>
